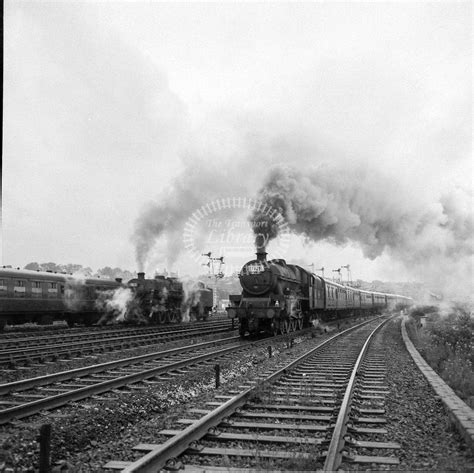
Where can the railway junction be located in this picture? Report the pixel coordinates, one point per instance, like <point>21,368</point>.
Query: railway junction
<point>316,400</point>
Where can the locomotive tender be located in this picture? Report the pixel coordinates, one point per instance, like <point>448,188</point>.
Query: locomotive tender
<point>43,297</point>
<point>280,298</point>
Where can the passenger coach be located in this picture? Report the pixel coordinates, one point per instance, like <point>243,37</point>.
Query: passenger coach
<point>43,297</point>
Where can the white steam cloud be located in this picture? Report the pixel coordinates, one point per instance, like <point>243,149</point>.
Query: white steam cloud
<point>191,298</point>
<point>232,165</point>
<point>115,304</point>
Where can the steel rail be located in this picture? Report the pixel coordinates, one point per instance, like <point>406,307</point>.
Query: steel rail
<point>30,408</point>
<point>114,339</point>
<point>106,331</point>
<point>30,383</point>
<point>157,458</point>
<point>334,452</point>
<point>18,355</point>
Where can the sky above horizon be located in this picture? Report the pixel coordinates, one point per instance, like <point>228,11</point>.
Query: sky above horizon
<point>111,108</point>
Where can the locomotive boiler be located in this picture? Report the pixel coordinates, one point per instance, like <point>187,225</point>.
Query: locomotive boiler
<point>274,297</point>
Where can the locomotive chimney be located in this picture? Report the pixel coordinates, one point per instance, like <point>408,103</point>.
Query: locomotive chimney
<point>141,275</point>
<point>260,244</point>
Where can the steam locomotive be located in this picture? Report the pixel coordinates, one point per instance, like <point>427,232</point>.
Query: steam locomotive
<point>43,297</point>
<point>279,298</point>
<point>169,300</point>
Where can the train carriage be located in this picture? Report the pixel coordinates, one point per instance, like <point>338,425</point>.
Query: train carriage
<point>379,301</point>
<point>366,300</point>
<point>81,298</point>
<point>30,296</point>
<point>317,293</point>
<point>43,297</point>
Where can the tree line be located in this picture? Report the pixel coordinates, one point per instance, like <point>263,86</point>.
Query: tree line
<point>78,269</point>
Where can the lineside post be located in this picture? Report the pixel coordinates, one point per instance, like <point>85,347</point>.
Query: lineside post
<point>217,369</point>
<point>45,448</point>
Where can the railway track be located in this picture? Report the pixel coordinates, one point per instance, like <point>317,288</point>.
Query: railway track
<point>27,397</point>
<point>323,410</point>
<point>33,330</point>
<point>40,338</point>
<point>55,347</point>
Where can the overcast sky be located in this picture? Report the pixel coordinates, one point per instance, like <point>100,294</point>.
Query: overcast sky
<point>108,106</point>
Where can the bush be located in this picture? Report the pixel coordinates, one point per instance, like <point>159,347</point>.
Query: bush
<point>447,343</point>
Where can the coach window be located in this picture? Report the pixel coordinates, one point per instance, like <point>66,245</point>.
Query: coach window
<point>3,287</point>
<point>20,288</point>
<point>36,288</point>
<point>52,289</point>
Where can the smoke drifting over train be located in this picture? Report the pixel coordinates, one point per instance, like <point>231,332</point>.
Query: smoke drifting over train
<point>211,171</point>
<point>342,204</point>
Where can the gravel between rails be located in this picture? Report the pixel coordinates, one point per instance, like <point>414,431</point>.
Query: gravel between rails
<point>416,416</point>
<point>88,435</point>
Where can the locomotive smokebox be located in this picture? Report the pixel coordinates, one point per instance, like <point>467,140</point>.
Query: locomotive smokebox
<point>261,254</point>
<point>141,275</point>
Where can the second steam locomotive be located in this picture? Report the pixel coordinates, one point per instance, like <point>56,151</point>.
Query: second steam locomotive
<point>169,300</point>
<point>280,298</point>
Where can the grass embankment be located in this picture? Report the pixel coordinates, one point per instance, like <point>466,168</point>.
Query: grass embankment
<point>446,342</point>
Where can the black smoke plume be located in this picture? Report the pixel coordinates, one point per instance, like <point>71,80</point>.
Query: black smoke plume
<point>342,204</point>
